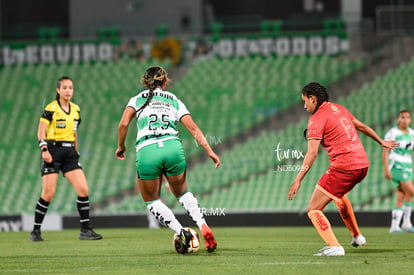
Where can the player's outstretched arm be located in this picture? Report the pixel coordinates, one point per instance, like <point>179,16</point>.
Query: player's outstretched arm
<point>196,132</point>
<point>122,132</point>
<point>368,131</point>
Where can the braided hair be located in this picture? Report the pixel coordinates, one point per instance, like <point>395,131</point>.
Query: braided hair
<point>321,94</point>
<point>153,77</point>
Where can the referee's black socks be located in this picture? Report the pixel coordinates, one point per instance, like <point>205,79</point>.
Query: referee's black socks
<point>40,212</point>
<point>83,209</point>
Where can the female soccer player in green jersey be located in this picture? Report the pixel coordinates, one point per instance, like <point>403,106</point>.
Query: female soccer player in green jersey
<point>398,167</point>
<point>159,153</point>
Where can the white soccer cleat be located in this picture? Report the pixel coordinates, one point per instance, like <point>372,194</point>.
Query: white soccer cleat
<point>359,241</point>
<point>408,228</point>
<point>331,251</point>
<point>397,230</point>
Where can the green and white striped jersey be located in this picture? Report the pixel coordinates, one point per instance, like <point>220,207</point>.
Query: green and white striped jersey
<point>401,157</point>
<point>157,121</point>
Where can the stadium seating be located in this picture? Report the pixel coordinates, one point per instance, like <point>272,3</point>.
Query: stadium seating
<point>373,193</point>
<point>102,89</point>
<point>240,92</point>
<point>226,97</point>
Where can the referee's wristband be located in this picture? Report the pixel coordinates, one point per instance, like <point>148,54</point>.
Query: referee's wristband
<point>42,142</point>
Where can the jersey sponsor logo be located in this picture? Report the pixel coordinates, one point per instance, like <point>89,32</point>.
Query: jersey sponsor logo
<point>160,103</point>
<point>61,125</point>
<point>157,105</point>
<point>335,110</point>
<point>145,95</point>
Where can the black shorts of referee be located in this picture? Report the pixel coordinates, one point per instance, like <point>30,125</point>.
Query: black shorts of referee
<point>65,158</point>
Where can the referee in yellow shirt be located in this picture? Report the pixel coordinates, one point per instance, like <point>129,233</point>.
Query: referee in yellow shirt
<point>57,134</point>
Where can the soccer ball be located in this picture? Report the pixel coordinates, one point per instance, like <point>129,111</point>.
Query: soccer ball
<point>194,243</point>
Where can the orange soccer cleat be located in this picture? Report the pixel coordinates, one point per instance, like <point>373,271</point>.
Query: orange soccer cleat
<point>209,240</point>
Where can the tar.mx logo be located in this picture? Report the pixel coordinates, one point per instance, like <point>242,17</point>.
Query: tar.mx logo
<point>215,212</point>
<point>211,140</point>
<point>285,155</point>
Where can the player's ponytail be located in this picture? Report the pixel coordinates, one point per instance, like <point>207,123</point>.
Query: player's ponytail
<point>149,97</point>
<point>153,77</point>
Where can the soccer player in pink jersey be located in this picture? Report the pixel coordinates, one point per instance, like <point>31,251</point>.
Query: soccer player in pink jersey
<point>335,128</point>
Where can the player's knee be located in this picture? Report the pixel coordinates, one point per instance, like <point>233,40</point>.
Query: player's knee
<point>314,207</point>
<point>48,195</point>
<point>83,192</point>
<point>411,192</point>
<point>408,196</point>
<point>341,208</point>
<point>179,193</point>
<point>339,205</point>
<point>178,189</point>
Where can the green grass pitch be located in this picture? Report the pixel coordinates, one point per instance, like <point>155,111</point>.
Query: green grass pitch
<point>241,250</point>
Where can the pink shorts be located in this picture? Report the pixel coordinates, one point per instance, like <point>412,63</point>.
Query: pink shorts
<point>339,182</point>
